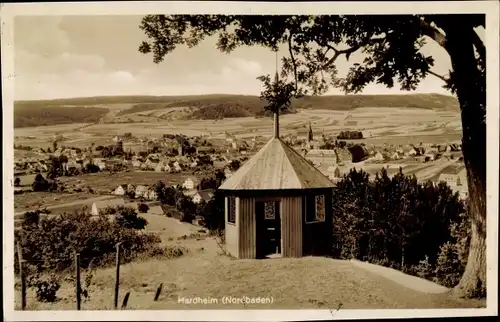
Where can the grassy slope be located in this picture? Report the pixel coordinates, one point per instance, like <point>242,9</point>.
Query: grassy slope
<point>48,112</point>
<point>309,282</point>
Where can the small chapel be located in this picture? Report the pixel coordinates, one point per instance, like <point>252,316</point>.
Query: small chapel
<point>277,204</point>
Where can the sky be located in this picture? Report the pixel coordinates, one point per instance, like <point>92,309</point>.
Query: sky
<point>79,56</point>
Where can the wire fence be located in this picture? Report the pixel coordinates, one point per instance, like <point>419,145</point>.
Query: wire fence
<point>77,266</point>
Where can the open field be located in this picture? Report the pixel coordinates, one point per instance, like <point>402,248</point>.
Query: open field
<point>379,125</point>
<point>103,181</point>
<point>34,200</point>
<point>204,272</point>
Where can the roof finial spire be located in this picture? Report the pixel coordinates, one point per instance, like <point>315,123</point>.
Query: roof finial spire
<point>277,111</point>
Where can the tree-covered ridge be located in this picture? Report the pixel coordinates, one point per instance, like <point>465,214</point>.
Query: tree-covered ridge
<point>77,110</point>
<point>28,114</point>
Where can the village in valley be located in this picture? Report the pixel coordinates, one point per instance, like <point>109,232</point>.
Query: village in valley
<point>185,161</point>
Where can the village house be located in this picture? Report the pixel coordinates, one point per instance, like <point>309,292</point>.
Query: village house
<point>228,172</point>
<point>333,172</point>
<point>141,191</point>
<point>456,178</point>
<point>119,191</point>
<point>177,166</point>
<point>321,156</point>
<point>431,155</point>
<point>396,155</point>
<point>343,156</point>
<point>162,166</point>
<point>101,165</point>
<point>151,195</point>
<point>190,183</point>
<point>380,156</point>
<point>130,189</point>
<point>193,164</point>
<point>205,195</point>
<point>453,148</point>
<point>416,151</point>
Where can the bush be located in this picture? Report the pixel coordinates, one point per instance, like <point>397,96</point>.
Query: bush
<point>91,168</point>
<point>350,135</point>
<point>31,218</point>
<point>453,255</point>
<point>126,217</point>
<point>46,289</point>
<point>51,244</point>
<point>17,182</point>
<point>143,208</point>
<point>40,183</point>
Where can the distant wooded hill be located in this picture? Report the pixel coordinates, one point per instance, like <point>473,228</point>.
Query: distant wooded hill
<point>61,111</point>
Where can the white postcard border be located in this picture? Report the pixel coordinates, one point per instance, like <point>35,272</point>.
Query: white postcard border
<point>9,11</point>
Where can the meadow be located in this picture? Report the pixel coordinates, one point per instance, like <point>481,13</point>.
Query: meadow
<point>379,126</point>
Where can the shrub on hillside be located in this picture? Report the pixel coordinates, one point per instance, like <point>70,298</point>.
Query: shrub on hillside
<point>17,182</point>
<point>453,255</point>
<point>46,289</point>
<point>40,183</point>
<point>53,242</point>
<point>143,208</point>
<point>91,168</point>
<point>31,218</point>
<point>400,223</point>
<point>126,217</point>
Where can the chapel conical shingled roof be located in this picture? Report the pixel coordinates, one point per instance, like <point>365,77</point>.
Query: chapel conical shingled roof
<point>276,167</point>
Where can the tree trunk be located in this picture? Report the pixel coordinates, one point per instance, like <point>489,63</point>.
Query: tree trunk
<point>470,85</point>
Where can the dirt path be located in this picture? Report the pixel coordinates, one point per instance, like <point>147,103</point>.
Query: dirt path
<point>412,282</point>
<point>88,201</point>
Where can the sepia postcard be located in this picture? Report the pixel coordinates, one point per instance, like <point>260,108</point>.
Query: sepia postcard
<point>250,161</point>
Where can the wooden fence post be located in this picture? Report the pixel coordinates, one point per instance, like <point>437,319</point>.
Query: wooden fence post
<point>78,285</point>
<point>117,283</point>
<point>158,291</point>
<point>125,300</point>
<point>21,275</point>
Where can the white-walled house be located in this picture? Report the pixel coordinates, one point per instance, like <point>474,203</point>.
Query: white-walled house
<point>190,184</point>
<point>205,195</point>
<point>119,191</point>
<point>141,191</point>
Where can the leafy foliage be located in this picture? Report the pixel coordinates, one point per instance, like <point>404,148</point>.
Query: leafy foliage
<point>126,217</point>
<point>46,289</point>
<point>401,223</point>
<point>142,208</point>
<point>52,243</point>
<point>391,44</point>
<point>350,135</point>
